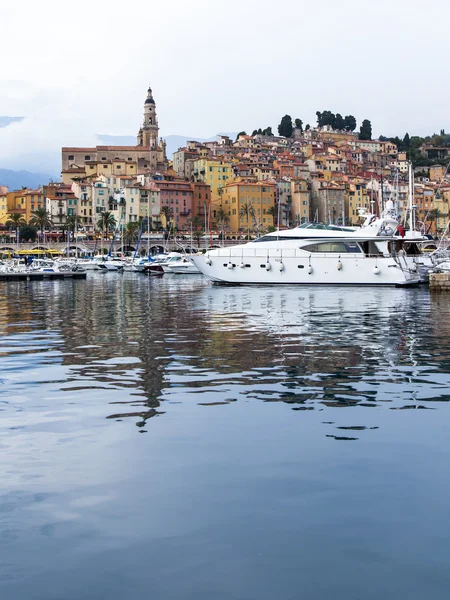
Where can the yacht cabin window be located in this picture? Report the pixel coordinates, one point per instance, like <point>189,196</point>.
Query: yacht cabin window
<point>337,247</point>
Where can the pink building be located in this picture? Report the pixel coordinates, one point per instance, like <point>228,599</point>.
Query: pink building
<point>178,195</point>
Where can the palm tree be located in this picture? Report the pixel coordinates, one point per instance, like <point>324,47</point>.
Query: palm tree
<point>247,211</point>
<point>167,214</point>
<point>106,222</point>
<point>222,219</point>
<point>432,216</point>
<point>41,219</point>
<point>15,220</point>
<point>72,222</point>
<point>273,211</point>
<point>197,226</point>
<point>131,232</point>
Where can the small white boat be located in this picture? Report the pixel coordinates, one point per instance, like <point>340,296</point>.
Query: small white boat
<point>91,265</point>
<point>110,263</point>
<point>182,267</point>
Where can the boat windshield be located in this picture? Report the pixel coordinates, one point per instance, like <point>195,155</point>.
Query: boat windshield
<point>324,227</point>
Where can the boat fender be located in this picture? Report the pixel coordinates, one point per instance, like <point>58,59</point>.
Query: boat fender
<point>268,266</point>
<point>208,261</point>
<point>376,270</point>
<point>281,266</point>
<point>339,265</point>
<point>230,265</point>
<point>310,269</point>
<point>242,265</point>
<point>414,267</point>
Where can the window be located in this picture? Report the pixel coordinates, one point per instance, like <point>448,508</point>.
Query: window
<point>71,157</point>
<point>87,157</point>
<point>105,167</point>
<point>335,247</point>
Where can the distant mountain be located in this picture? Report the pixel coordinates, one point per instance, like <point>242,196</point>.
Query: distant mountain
<point>5,121</point>
<point>173,141</point>
<point>15,180</point>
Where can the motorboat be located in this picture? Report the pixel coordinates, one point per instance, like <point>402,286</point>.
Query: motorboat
<point>182,267</point>
<point>137,265</point>
<point>160,261</point>
<point>313,254</point>
<point>89,264</point>
<point>110,262</point>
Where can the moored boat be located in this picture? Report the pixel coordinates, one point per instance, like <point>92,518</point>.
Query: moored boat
<point>316,255</point>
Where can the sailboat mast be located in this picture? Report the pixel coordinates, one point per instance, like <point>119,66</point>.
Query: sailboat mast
<point>148,224</point>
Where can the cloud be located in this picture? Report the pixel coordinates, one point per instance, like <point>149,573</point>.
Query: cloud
<point>214,69</point>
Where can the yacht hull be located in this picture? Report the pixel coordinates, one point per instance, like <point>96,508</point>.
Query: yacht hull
<point>301,270</point>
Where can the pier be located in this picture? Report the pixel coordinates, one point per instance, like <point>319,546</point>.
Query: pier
<point>440,282</point>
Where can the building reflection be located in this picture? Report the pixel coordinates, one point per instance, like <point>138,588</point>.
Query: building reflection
<point>153,338</point>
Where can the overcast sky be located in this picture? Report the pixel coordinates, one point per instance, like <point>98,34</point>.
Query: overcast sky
<point>78,69</point>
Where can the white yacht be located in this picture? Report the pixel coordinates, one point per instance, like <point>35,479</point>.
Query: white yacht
<point>315,254</point>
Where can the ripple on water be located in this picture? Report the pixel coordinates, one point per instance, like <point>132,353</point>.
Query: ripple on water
<point>245,396</point>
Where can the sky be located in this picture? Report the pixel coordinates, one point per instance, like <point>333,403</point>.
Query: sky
<point>75,70</point>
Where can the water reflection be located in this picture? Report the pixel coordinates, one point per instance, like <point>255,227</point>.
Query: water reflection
<point>139,346</point>
<point>248,479</point>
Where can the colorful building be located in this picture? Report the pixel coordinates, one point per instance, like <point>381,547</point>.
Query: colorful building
<point>259,195</point>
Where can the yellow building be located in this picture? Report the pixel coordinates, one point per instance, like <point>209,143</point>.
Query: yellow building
<point>301,201</point>
<point>437,173</point>
<point>356,202</point>
<point>442,204</point>
<point>25,202</point>
<point>261,197</point>
<point>3,205</point>
<point>216,173</point>
<point>93,168</point>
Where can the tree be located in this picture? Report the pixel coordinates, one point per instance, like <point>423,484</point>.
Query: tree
<point>197,227</point>
<point>221,220</point>
<point>272,210</point>
<point>299,124</point>
<point>339,122</point>
<point>247,211</point>
<point>308,127</point>
<point>267,131</point>
<point>433,216</point>
<point>407,141</point>
<point>72,223</point>
<point>15,220</point>
<point>167,214</point>
<point>326,118</point>
<point>239,135</point>
<point>285,126</point>
<point>41,219</point>
<point>106,221</point>
<point>349,123</point>
<point>365,131</point>
<point>131,232</point>
<point>27,233</point>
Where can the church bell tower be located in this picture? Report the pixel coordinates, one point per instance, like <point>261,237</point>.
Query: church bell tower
<point>148,133</point>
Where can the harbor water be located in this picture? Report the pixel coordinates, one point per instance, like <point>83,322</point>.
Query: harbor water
<point>164,438</point>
